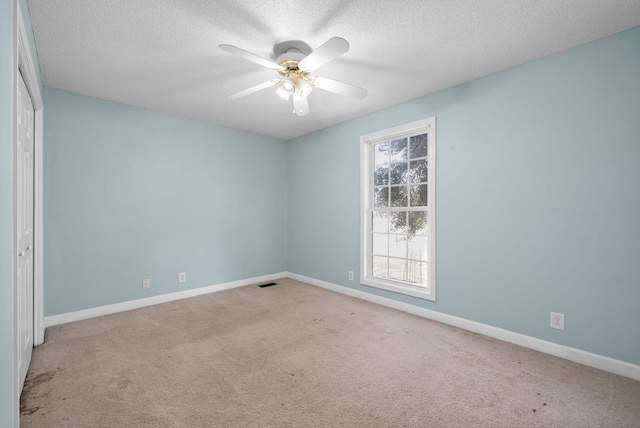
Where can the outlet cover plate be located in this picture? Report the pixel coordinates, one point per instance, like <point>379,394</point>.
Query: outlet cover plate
<point>146,284</point>
<point>557,321</point>
<point>182,277</point>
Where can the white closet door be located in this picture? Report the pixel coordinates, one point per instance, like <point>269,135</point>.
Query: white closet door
<point>24,200</point>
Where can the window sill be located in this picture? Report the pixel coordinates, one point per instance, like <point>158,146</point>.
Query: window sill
<point>399,288</point>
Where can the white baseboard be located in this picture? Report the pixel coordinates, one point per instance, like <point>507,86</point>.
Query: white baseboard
<point>572,354</point>
<point>140,303</point>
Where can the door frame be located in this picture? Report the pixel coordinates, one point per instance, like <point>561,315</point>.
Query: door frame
<point>24,65</point>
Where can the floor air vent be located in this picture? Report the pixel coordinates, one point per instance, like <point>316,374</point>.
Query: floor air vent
<point>267,285</point>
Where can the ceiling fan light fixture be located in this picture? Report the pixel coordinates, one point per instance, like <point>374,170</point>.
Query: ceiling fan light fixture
<point>288,86</point>
<point>282,94</point>
<point>286,89</point>
<point>304,89</point>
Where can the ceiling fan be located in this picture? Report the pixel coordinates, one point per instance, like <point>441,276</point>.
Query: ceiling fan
<point>296,68</point>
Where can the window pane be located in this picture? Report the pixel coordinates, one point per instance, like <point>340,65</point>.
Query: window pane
<point>399,173</point>
<point>381,175</point>
<point>381,244</point>
<point>418,171</point>
<point>381,197</point>
<point>418,146</point>
<point>417,273</point>
<point>417,223</point>
<point>380,267</point>
<point>418,247</point>
<point>380,222</point>
<point>398,246</point>
<point>381,154</point>
<point>419,195</point>
<point>399,196</point>
<point>398,150</point>
<point>397,269</point>
<point>398,222</point>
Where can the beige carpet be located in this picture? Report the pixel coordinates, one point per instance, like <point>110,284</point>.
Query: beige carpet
<point>294,355</point>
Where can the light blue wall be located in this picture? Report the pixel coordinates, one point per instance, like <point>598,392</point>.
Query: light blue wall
<point>538,201</point>
<point>133,194</point>
<point>7,401</point>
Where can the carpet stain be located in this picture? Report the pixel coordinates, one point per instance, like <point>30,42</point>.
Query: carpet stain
<point>24,410</point>
<point>30,383</point>
<point>28,391</point>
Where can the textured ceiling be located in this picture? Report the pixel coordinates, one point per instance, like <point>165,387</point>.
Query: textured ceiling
<point>163,55</point>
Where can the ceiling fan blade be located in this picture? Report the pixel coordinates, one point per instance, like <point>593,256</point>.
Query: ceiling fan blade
<point>253,89</point>
<point>250,57</point>
<point>332,49</point>
<point>340,88</point>
<point>300,105</point>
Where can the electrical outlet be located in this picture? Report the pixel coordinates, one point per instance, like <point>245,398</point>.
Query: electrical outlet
<point>350,275</point>
<point>557,321</point>
<point>146,284</point>
<point>182,277</point>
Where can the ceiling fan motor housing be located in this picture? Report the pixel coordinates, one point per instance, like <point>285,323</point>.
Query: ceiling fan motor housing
<point>291,55</point>
<point>289,63</point>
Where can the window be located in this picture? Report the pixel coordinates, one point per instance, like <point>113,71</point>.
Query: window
<point>398,209</point>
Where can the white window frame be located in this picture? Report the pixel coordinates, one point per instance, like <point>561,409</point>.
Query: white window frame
<point>367,143</point>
